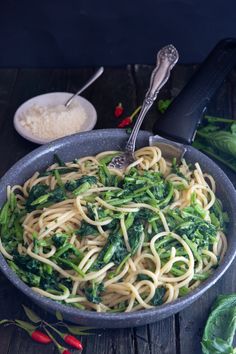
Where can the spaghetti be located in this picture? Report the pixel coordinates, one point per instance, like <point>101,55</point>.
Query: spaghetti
<point>100,239</point>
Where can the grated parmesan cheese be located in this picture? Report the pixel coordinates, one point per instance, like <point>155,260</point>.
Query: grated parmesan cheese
<point>52,122</point>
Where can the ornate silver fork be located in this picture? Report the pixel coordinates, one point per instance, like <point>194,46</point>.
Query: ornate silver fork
<point>167,57</point>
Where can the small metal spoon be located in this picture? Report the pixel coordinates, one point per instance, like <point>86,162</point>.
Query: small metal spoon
<point>167,57</point>
<point>94,77</point>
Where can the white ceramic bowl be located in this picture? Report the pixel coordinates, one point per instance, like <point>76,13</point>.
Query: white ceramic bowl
<point>53,98</point>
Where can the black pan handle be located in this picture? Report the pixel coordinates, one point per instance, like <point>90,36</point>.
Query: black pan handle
<point>180,121</point>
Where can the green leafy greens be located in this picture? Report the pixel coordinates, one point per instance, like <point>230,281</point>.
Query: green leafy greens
<point>220,327</point>
<point>216,136</point>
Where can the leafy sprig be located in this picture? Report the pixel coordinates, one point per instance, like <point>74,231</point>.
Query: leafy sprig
<point>44,332</point>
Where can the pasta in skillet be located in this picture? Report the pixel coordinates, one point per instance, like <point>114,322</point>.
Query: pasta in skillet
<point>107,240</point>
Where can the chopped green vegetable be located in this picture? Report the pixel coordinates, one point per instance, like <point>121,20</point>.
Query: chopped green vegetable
<point>107,159</point>
<point>189,223</point>
<point>183,291</point>
<point>93,293</point>
<point>27,263</point>
<point>58,160</point>
<point>162,105</point>
<point>158,297</point>
<point>29,278</point>
<point>70,265</point>
<point>58,179</point>
<point>113,251</point>
<point>72,185</point>
<point>10,226</point>
<point>82,188</point>
<point>135,235</point>
<point>86,229</point>
<point>40,195</point>
<point>36,191</point>
<point>149,187</point>
<point>175,169</point>
<point>143,277</point>
<point>59,240</point>
<point>106,177</point>
<point>219,218</point>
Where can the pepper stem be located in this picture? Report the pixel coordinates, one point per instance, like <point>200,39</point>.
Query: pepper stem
<point>60,348</point>
<point>28,327</point>
<point>54,329</point>
<point>134,113</point>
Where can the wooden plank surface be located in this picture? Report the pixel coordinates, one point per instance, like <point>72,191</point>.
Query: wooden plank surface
<point>179,334</point>
<point>29,83</point>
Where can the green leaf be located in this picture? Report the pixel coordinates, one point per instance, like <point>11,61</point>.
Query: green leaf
<point>93,292</point>
<point>221,326</point>
<point>158,296</point>
<point>77,330</point>
<point>223,158</point>
<point>162,105</point>
<point>4,321</point>
<point>233,128</point>
<point>25,325</point>
<point>58,160</point>
<point>222,140</point>
<point>31,315</point>
<point>212,119</point>
<point>216,346</point>
<point>59,316</point>
<point>4,214</point>
<point>82,188</point>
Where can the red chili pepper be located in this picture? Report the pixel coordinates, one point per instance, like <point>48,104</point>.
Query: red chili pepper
<point>68,338</point>
<point>62,350</point>
<point>74,342</point>
<point>118,110</point>
<point>66,351</point>
<point>128,120</point>
<point>40,337</point>
<point>125,122</point>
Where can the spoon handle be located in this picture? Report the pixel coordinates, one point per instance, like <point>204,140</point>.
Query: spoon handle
<point>94,77</point>
<point>167,57</point>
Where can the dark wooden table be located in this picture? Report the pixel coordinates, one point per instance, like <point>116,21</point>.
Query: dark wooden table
<point>179,334</point>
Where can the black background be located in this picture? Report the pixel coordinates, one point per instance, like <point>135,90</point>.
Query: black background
<point>72,33</point>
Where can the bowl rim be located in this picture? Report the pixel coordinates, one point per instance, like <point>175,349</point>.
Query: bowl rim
<point>161,311</point>
<point>86,104</point>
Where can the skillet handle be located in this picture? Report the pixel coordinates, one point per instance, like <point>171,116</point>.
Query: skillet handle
<point>182,118</point>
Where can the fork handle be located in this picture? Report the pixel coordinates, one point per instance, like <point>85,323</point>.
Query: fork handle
<point>167,57</point>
